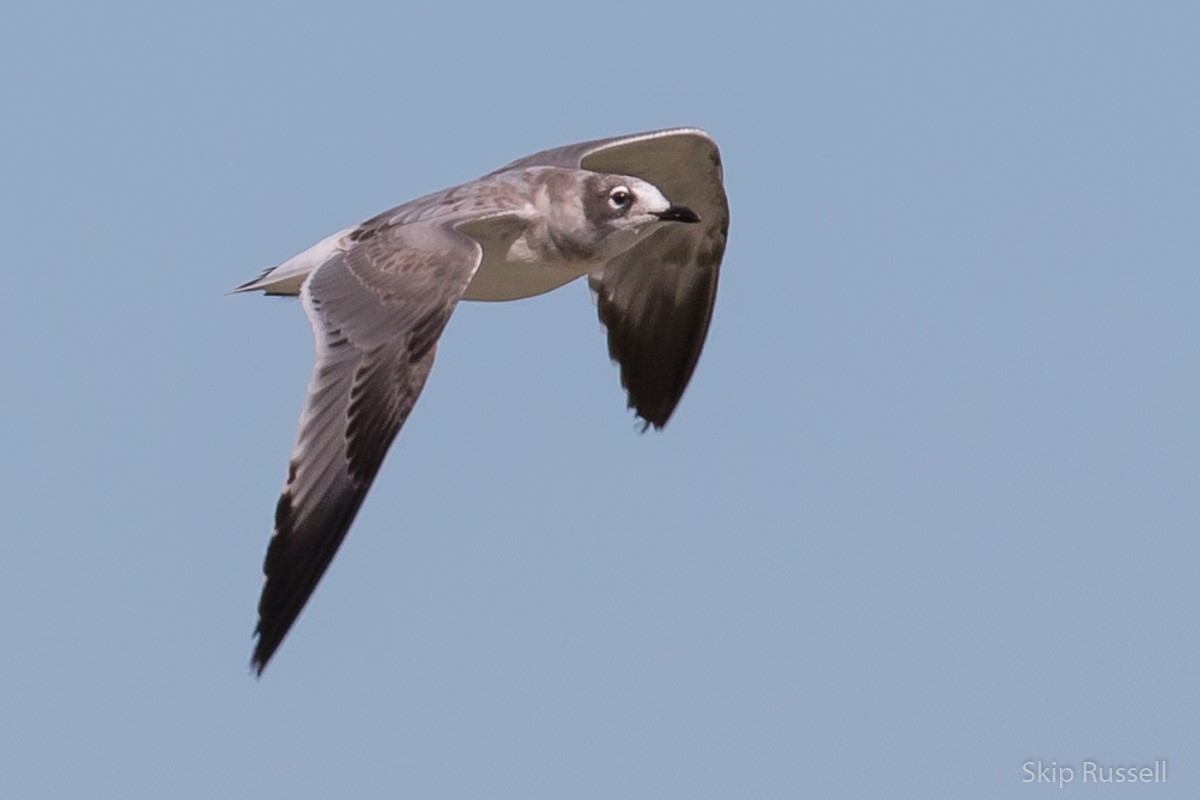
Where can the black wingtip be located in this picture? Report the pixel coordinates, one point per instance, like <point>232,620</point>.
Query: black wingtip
<point>258,661</point>
<point>264,648</point>
<point>657,422</point>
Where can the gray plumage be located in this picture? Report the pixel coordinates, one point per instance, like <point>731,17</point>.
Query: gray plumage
<point>379,294</point>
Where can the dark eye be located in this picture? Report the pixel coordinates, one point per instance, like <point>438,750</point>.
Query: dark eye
<point>620,198</point>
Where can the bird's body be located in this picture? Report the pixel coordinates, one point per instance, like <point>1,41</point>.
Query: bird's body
<point>379,294</point>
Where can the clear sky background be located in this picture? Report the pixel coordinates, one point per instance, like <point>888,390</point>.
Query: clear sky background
<point>928,510</point>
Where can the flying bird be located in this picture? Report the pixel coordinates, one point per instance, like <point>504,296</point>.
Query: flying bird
<point>645,217</point>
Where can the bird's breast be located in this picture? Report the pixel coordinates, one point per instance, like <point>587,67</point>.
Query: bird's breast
<point>519,262</point>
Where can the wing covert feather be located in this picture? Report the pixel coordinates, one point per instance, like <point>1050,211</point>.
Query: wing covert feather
<point>656,299</point>
<point>376,314</point>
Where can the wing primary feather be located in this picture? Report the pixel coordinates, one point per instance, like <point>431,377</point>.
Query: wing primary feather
<point>376,332</point>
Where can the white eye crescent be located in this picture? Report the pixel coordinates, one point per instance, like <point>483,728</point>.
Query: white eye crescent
<point>620,198</point>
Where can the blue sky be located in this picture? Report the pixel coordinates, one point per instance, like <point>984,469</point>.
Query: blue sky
<point>928,510</point>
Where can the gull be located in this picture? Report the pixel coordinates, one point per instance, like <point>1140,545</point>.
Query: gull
<point>644,216</point>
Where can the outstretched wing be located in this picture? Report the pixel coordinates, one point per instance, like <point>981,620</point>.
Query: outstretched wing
<point>377,311</point>
<point>656,299</point>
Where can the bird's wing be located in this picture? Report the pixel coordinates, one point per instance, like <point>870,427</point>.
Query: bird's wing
<point>656,299</point>
<point>377,311</point>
